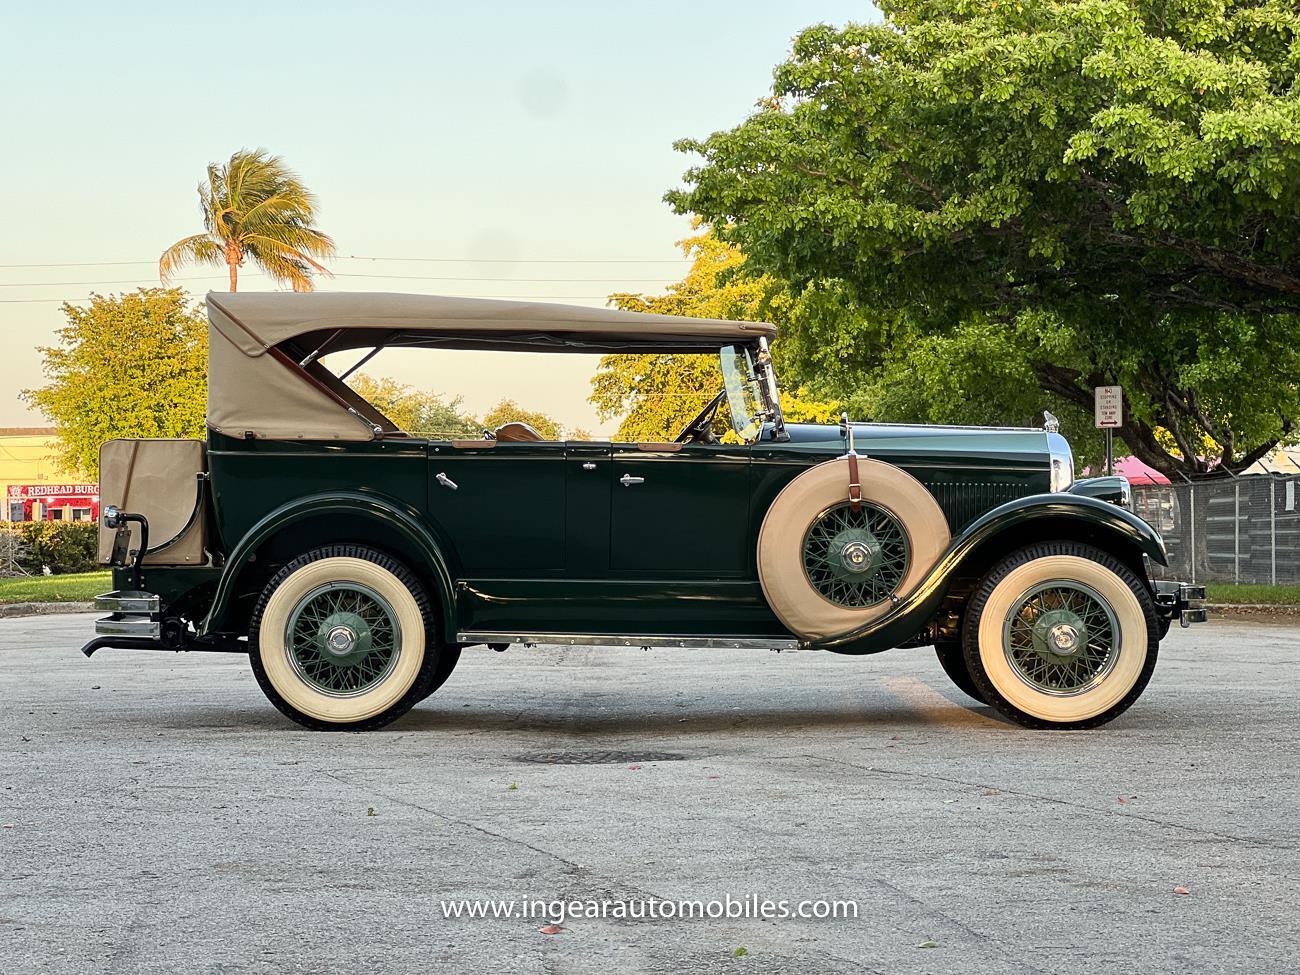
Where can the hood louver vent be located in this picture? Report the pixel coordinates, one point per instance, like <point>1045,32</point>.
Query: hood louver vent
<point>964,501</point>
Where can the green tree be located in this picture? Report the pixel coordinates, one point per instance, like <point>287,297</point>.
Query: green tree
<point>131,365</point>
<point>508,411</point>
<point>1114,183</point>
<point>255,207</point>
<point>657,395</point>
<point>980,373</point>
<point>417,411</point>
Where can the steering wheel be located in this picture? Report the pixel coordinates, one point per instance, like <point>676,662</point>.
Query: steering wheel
<point>700,429</point>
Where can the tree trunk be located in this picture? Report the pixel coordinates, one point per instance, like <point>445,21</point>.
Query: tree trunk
<point>1179,408</point>
<point>234,257</point>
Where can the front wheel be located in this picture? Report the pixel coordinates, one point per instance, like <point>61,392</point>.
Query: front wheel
<point>343,638</point>
<point>1061,635</point>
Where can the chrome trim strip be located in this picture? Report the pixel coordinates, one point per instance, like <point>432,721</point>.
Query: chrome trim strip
<point>942,426</point>
<point>128,601</point>
<point>414,455</point>
<point>111,626</point>
<point>623,640</point>
<point>646,457</point>
<point>956,466</point>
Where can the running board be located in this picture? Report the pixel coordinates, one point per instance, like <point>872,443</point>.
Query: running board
<point>623,640</point>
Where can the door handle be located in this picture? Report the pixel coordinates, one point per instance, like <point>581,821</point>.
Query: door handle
<point>589,466</point>
<point>446,481</point>
<point>627,480</point>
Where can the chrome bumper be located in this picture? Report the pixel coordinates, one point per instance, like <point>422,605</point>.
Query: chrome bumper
<point>134,613</point>
<point>1181,601</point>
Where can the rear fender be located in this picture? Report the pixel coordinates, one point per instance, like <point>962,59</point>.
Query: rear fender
<point>421,546</point>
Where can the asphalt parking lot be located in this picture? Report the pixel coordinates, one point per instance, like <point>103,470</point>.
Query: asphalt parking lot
<point>160,816</point>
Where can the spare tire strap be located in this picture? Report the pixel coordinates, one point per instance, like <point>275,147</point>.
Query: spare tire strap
<point>855,486</point>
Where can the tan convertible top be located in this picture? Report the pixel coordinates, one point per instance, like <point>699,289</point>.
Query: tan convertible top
<point>265,378</point>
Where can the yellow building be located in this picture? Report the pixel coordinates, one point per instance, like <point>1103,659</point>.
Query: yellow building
<point>32,484</point>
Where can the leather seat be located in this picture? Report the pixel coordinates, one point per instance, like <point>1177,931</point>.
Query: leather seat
<point>516,432</point>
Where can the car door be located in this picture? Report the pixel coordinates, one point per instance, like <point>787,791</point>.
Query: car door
<point>679,510</point>
<point>502,505</point>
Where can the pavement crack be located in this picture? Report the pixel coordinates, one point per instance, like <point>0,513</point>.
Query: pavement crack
<point>452,819</point>
<point>1126,816</point>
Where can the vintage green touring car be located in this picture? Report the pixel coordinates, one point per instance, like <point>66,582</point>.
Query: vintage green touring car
<point>353,561</point>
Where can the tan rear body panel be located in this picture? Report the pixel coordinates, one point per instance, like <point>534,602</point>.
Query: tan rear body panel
<point>158,479</point>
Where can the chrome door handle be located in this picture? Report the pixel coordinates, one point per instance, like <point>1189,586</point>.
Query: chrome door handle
<point>446,481</point>
<point>627,480</point>
<point>589,466</point>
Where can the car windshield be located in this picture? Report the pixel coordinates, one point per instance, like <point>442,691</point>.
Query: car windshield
<point>744,399</point>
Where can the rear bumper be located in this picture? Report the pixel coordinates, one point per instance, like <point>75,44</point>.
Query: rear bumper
<point>1179,601</point>
<point>136,622</point>
<point>133,613</point>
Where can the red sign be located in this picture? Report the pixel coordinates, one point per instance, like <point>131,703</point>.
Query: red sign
<point>25,491</point>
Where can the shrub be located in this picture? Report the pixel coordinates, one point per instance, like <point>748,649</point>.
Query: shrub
<point>60,546</point>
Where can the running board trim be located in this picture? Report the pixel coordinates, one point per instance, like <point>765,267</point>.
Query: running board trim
<point>623,640</point>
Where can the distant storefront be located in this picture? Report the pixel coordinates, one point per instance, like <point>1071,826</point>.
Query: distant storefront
<point>32,484</point>
<point>53,502</point>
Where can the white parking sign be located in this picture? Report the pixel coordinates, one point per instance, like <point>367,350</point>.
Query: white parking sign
<point>1109,407</point>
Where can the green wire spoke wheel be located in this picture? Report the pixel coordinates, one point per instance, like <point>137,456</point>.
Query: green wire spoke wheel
<point>856,558</point>
<point>343,638</point>
<point>1061,638</point>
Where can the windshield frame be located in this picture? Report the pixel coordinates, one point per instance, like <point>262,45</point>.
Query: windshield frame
<point>760,377</point>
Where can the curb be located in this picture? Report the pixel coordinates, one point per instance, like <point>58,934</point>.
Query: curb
<point>43,609</point>
<point>1247,609</point>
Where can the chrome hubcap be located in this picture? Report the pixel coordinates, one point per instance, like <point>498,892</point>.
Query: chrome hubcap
<point>859,556</point>
<point>341,640</point>
<point>1064,638</point>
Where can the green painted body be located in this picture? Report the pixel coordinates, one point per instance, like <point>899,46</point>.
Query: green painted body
<point>545,538</point>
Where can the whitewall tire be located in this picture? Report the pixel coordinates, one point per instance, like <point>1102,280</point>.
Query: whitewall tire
<point>827,569</point>
<point>342,638</point>
<point>1061,635</point>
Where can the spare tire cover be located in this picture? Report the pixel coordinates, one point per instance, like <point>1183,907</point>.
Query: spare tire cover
<point>827,569</point>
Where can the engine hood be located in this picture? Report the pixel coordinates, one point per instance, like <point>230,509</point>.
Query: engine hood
<point>1019,449</point>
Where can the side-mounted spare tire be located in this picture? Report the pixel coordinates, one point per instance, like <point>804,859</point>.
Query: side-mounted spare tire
<point>828,566</point>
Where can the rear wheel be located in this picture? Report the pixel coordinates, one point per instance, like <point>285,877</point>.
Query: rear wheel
<point>448,657</point>
<point>1061,635</point>
<point>343,638</point>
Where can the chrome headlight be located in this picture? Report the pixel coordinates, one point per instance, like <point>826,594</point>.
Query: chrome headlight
<point>1125,492</point>
<point>1061,459</point>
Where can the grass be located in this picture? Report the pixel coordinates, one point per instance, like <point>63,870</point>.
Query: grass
<point>1226,592</point>
<point>77,587</point>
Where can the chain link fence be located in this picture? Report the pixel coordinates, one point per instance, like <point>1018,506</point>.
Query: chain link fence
<point>1245,529</point>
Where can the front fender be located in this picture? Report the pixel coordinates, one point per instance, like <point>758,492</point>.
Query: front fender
<point>1029,517</point>
<point>382,510</point>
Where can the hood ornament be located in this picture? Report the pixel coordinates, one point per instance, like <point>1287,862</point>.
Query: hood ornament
<point>1050,423</point>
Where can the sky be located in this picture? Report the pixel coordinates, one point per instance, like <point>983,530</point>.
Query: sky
<point>525,148</point>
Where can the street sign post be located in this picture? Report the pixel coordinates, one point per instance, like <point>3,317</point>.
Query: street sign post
<point>1108,405</point>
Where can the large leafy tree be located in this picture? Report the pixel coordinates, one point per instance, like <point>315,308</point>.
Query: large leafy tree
<point>416,411</point>
<point>508,411</point>
<point>1114,184</point>
<point>254,208</point>
<point>657,395</point>
<point>132,365</point>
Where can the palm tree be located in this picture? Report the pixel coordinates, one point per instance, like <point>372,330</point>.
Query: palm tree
<point>254,207</point>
